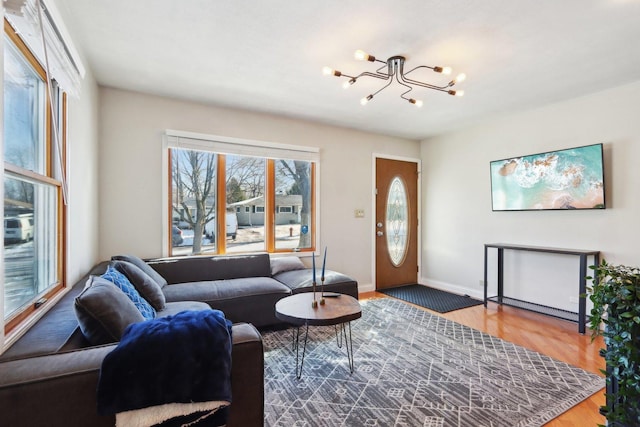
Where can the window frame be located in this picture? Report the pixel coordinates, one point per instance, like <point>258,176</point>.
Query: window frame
<point>241,147</point>
<point>41,302</point>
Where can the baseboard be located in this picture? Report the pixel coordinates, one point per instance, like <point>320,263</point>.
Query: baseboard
<point>367,287</point>
<point>454,289</point>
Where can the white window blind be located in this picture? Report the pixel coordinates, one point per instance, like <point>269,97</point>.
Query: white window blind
<point>243,147</point>
<point>65,65</point>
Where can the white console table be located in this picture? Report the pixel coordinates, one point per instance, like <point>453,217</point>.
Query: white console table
<point>580,317</point>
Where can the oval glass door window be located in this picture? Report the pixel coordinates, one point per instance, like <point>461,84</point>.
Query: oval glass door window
<point>396,224</point>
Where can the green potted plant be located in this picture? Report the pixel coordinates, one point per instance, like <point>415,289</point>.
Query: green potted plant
<point>616,316</point>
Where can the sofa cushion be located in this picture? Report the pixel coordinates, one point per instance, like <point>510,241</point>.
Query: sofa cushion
<point>142,266</point>
<point>176,307</point>
<point>251,299</point>
<point>215,290</point>
<point>301,281</point>
<point>145,285</point>
<point>278,265</point>
<point>104,311</point>
<point>121,281</point>
<point>203,268</point>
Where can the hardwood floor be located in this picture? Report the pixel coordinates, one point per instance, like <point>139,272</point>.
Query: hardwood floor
<point>553,337</point>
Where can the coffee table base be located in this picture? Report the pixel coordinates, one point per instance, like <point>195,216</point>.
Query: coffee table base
<point>302,310</point>
<point>341,331</point>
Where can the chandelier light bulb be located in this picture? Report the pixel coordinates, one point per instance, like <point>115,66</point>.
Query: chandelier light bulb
<point>366,100</point>
<point>327,71</point>
<point>416,102</point>
<point>459,93</point>
<point>348,83</point>
<point>360,55</point>
<point>443,70</point>
<point>461,77</point>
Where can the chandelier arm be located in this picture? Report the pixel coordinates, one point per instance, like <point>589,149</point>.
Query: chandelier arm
<point>402,95</point>
<point>420,66</point>
<point>347,75</point>
<point>386,65</point>
<point>427,85</point>
<point>383,87</point>
<point>441,90</point>
<point>377,76</point>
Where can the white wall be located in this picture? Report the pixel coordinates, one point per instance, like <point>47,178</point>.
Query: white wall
<point>457,215</point>
<point>83,214</point>
<point>131,129</point>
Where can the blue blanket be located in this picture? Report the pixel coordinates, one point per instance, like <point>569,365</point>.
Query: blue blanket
<point>176,359</point>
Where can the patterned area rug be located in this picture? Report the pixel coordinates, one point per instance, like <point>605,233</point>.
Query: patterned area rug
<point>413,368</point>
<point>433,299</point>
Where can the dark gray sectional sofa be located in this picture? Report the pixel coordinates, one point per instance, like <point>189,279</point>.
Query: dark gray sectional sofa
<point>246,288</point>
<point>49,376</point>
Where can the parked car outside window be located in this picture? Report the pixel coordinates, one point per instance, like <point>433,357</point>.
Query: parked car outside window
<point>231,220</point>
<point>18,229</point>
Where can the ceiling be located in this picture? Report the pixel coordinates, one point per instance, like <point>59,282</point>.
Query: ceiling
<point>268,55</point>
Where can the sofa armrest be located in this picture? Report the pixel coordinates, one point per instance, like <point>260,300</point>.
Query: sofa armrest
<point>247,377</point>
<point>60,389</point>
<point>53,390</point>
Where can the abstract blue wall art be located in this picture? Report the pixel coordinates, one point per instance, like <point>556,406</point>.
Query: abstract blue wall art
<point>566,179</point>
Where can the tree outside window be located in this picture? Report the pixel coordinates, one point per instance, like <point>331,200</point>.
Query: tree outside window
<point>251,185</point>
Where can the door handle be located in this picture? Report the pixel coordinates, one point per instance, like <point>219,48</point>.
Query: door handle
<point>379,233</point>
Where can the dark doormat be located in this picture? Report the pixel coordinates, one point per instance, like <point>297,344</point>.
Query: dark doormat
<point>433,299</point>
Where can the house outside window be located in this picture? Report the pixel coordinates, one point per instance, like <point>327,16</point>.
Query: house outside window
<point>214,177</point>
<point>33,190</point>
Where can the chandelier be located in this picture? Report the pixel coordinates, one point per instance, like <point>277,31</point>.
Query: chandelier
<point>395,69</point>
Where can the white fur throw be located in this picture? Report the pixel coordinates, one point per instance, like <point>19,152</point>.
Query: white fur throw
<point>147,417</point>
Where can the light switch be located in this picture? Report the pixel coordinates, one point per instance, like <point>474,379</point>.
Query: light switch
<point>359,213</point>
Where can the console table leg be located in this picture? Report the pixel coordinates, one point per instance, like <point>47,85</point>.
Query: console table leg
<point>485,277</point>
<point>500,274</point>
<point>582,303</point>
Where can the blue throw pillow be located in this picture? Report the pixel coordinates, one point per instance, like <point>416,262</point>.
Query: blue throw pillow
<point>121,281</point>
